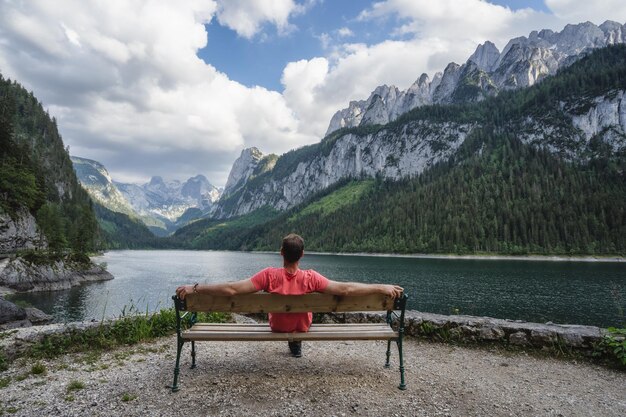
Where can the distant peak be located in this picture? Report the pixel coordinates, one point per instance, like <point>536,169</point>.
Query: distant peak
<point>156,180</point>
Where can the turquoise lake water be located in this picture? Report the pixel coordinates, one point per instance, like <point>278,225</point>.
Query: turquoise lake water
<point>592,293</point>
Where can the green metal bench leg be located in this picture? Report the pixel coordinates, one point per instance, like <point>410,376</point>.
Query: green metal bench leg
<point>177,367</point>
<point>402,385</point>
<point>193,354</point>
<point>388,353</point>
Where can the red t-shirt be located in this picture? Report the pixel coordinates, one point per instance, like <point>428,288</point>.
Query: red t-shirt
<point>279,281</point>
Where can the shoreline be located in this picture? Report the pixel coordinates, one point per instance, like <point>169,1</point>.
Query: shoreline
<point>549,258</point>
<point>485,257</point>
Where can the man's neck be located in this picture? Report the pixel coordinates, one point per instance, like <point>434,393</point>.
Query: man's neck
<point>291,268</point>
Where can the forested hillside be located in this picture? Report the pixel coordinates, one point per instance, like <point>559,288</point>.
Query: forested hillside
<point>119,231</point>
<point>36,173</point>
<point>526,180</point>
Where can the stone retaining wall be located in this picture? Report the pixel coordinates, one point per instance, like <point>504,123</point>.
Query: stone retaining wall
<point>487,330</point>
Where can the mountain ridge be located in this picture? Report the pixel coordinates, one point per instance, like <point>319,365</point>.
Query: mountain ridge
<point>523,62</point>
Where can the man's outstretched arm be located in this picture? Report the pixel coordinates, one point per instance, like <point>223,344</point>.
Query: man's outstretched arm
<point>226,288</point>
<point>357,288</point>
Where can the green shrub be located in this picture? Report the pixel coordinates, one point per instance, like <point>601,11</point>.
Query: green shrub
<point>3,362</point>
<point>4,382</point>
<point>613,346</point>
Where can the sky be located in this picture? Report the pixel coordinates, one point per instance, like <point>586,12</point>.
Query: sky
<point>175,89</point>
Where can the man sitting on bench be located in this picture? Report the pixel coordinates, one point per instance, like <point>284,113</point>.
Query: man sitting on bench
<point>290,280</point>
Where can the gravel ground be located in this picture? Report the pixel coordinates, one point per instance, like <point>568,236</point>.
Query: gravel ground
<point>331,379</point>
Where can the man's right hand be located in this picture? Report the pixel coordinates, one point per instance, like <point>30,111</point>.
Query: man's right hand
<point>393,291</point>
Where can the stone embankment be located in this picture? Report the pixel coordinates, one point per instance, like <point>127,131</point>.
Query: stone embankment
<point>458,328</point>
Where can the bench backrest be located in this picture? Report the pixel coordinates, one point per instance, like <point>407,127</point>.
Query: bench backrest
<point>273,303</point>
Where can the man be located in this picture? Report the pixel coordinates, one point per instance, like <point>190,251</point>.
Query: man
<point>290,280</point>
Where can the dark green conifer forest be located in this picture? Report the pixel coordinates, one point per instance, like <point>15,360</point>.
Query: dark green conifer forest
<point>36,173</point>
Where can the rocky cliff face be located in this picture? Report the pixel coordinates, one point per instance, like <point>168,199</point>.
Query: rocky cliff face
<point>597,120</point>
<point>95,178</point>
<point>242,169</point>
<point>20,275</point>
<point>393,155</point>
<point>20,232</point>
<point>523,62</point>
<point>606,118</point>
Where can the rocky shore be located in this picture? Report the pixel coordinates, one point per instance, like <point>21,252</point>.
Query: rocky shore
<point>19,275</point>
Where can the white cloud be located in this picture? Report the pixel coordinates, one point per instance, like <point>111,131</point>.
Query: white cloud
<point>246,17</point>
<point>344,32</point>
<point>573,11</point>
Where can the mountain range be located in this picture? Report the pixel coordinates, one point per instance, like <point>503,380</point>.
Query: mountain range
<point>160,205</point>
<point>523,62</point>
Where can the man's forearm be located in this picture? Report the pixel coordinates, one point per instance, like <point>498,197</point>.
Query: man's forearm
<point>225,288</point>
<point>357,288</point>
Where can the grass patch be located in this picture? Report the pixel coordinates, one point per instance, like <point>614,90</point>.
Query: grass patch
<point>125,331</point>
<point>4,382</point>
<point>75,385</point>
<point>128,397</point>
<point>4,363</point>
<point>346,195</point>
<point>38,369</point>
<point>69,398</point>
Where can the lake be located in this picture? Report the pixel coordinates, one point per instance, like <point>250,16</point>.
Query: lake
<point>592,293</point>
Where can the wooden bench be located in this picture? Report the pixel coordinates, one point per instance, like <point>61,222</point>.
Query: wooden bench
<point>189,330</point>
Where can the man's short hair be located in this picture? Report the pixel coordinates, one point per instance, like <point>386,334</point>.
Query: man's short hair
<point>292,247</point>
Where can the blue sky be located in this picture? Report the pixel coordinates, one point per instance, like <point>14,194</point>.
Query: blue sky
<point>175,89</point>
<point>260,60</point>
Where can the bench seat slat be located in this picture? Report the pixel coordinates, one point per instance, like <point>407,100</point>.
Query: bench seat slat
<point>258,332</point>
<point>265,328</point>
<point>270,336</point>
